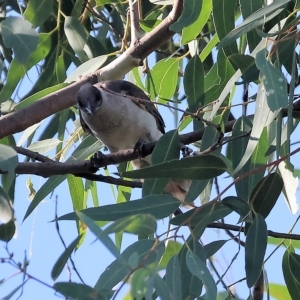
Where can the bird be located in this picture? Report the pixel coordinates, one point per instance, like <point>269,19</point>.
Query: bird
<point>110,111</point>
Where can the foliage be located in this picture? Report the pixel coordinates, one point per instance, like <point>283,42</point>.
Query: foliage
<point>219,47</point>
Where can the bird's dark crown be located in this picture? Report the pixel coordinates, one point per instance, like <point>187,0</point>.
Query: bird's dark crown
<point>89,98</point>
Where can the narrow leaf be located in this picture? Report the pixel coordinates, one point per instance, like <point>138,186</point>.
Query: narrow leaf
<point>198,167</point>
<point>159,206</point>
<point>62,260</point>
<point>198,268</point>
<point>255,248</point>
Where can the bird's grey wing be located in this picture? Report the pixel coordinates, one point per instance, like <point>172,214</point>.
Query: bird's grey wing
<point>127,88</point>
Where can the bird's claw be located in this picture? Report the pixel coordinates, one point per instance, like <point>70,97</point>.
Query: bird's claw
<point>98,160</point>
<point>138,147</point>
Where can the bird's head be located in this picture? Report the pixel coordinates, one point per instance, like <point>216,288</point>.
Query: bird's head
<point>89,98</point>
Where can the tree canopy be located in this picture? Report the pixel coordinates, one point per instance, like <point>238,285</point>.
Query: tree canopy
<point>225,72</point>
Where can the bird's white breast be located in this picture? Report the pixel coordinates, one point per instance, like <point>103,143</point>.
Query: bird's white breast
<point>119,123</point>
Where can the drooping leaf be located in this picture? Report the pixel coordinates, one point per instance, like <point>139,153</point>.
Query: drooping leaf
<point>193,81</point>
<point>8,162</point>
<point>292,282</point>
<point>100,234</point>
<point>167,148</point>
<point>274,82</point>
<point>223,15</point>
<point>266,193</point>
<point>164,73</point>
<point>198,268</point>
<point>62,260</point>
<point>255,248</point>
<point>173,275</point>
<point>119,269</point>
<point>77,36</point>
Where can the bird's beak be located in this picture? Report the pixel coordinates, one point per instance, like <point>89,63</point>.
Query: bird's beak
<point>88,109</point>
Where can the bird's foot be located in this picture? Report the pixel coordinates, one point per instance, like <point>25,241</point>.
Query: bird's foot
<point>185,150</point>
<point>98,160</point>
<point>138,147</point>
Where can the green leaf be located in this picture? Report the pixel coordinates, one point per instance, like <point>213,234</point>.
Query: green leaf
<point>86,68</point>
<point>248,8</point>
<point>8,162</point>
<point>223,16</point>
<point>88,146</point>
<point>278,291</point>
<point>198,268</point>
<point>211,211</point>
<point>37,96</point>
<point>62,260</point>
<point>266,193</point>
<point>288,267</point>
<point>173,275</point>
<point>141,224</point>
<point>190,32</point>
<point>44,146</point>
<point>148,251</point>
<point>191,11</point>
<point>262,117</point>
<point>172,249</point>
<point>238,205</point>
<point>161,288</point>
<point>7,231</point>
<point>274,82</point>
<point>38,11</point>
<point>160,206</point>
<point>77,36</point>
<point>138,283</point>
<point>100,234</point>
<point>259,17</point>
<point>77,193</point>
<point>81,291</point>
<point>167,148</point>
<point>17,70</point>
<point>6,212</point>
<point>213,247</point>
<point>164,73</point>
<point>193,82</point>
<point>255,249</point>
<point>198,167</point>
<point>18,34</point>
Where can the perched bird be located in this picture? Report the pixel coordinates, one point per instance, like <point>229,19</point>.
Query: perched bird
<point>119,122</point>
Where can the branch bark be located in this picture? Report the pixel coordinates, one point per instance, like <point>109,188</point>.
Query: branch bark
<point>55,102</point>
<point>48,167</point>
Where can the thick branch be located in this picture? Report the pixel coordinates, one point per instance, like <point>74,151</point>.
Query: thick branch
<point>55,102</point>
<point>49,168</point>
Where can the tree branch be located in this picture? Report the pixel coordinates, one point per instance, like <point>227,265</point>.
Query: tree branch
<point>86,168</point>
<point>64,98</point>
<point>271,233</point>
